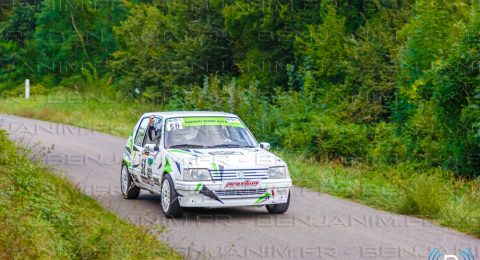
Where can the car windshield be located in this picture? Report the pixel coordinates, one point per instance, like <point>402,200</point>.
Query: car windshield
<point>206,132</point>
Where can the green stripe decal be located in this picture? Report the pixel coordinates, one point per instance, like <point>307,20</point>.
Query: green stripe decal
<point>168,167</point>
<point>128,163</point>
<point>264,197</point>
<point>215,168</point>
<point>179,151</point>
<point>180,123</point>
<point>198,187</point>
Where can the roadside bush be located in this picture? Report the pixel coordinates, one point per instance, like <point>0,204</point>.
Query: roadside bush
<point>19,91</point>
<point>386,145</point>
<point>424,194</point>
<point>463,209</point>
<point>327,140</point>
<point>344,142</point>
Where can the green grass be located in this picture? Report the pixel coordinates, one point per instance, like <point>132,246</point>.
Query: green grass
<point>87,111</point>
<point>43,216</point>
<point>432,194</point>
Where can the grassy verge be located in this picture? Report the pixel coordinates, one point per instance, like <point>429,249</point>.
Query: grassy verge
<point>87,111</point>
<point>433,194</point>
<point>44,216</point>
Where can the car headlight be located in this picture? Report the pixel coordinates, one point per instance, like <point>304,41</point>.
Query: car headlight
<point>277,172</point>
<point>196,175</point>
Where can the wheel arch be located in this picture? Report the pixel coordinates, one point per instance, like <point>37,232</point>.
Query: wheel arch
<point>172,176</point>
<point>126,163</point>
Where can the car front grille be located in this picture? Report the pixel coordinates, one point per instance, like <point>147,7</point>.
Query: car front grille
<point>219,175</point>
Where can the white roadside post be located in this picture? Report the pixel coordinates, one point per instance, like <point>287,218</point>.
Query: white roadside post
<point>27,89</point>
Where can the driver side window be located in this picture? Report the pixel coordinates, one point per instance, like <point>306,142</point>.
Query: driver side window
<point>142,128</point>
<point>152,136</point>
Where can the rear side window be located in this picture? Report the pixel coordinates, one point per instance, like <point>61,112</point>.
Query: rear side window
<point>141,131</point>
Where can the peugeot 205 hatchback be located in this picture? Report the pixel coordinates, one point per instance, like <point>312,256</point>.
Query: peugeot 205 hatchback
<point>202,159</point>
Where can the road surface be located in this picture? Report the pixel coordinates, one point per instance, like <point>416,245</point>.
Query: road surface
<point>317,226</point>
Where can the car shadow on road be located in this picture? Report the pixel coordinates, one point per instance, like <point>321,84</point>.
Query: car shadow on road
<point>207,214</point>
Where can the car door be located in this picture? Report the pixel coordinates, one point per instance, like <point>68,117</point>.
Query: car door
<point>137,152</point>
<point>154,158</point>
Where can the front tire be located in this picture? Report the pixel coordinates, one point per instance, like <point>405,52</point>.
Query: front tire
<point>169,198</point>
<point>128,187</point>
<point>279,208</point>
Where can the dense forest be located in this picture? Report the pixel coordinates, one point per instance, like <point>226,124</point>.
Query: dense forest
<point>355,81</point>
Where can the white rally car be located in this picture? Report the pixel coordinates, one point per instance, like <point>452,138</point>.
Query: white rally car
<point>202,159</point>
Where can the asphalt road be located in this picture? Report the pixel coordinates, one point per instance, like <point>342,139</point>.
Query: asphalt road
<point>317,226</point>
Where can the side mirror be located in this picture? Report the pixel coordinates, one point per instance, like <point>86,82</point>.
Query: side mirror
<point>152,148</point>
<point>265,146</point>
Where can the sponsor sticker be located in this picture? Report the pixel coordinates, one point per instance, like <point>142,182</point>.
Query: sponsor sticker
<point>241,184</point>
<point>174,124</point>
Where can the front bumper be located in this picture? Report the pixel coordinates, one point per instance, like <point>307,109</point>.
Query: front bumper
<point>218,194</point>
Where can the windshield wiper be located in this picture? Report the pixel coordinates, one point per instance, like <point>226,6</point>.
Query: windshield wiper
<point>187,145</point>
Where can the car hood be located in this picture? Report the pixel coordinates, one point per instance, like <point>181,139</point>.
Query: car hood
<point>225,158</point>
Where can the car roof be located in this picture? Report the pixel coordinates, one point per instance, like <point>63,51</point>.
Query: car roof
<point>171,114</point>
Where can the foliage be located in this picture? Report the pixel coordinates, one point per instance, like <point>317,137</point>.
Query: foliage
<point>50,41</point>
<point>163,45</point>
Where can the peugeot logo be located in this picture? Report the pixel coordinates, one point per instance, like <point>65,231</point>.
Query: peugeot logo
<point>240,175</point>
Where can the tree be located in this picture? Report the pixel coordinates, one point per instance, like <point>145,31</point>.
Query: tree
<point>71,34</point>
<point>164,45</point>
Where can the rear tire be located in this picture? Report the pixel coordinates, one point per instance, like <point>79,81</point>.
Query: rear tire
<point>169,198</point>
<point>279,208</point>
<point>128,187</point>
